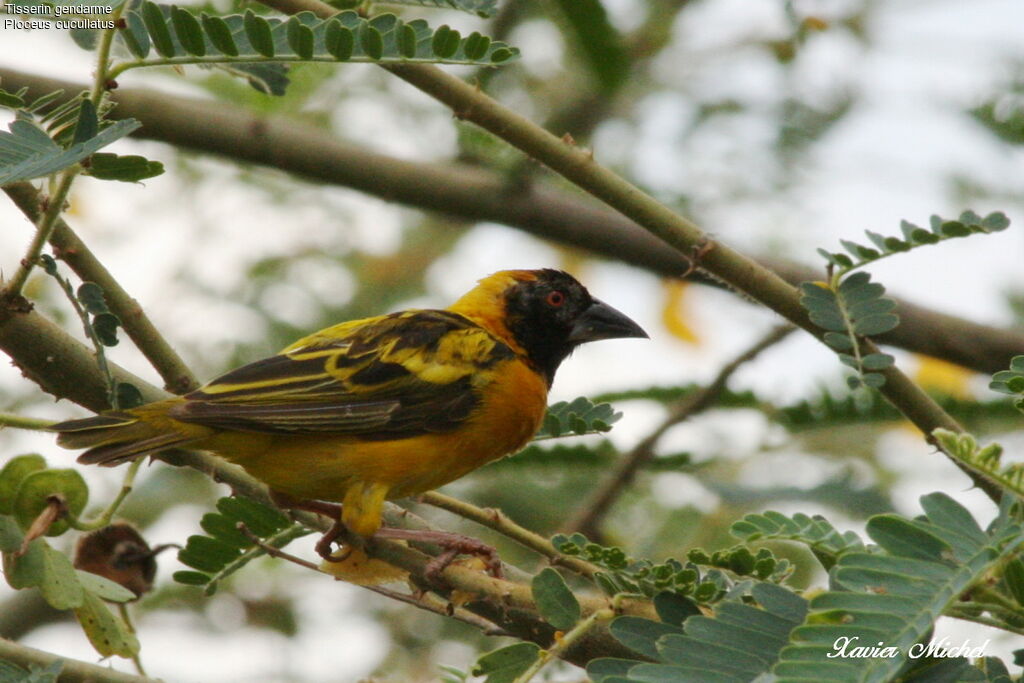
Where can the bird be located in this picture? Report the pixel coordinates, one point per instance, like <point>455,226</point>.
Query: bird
<point>380,408</point>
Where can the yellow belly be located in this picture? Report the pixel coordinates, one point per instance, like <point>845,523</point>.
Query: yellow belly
<point>328,468</point>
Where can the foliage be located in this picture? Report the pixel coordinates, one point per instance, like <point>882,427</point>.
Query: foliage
<point>1011,381</point>
<point>850,306</point>
<point>577,417</point>
<point>940,229</point>
<point>890,593</point>
<point>27,152</point>
<point>177,36</point>
<point>236,535</point>
<point>827,543</point>
<point>985,460</point>
<point>705,578</point>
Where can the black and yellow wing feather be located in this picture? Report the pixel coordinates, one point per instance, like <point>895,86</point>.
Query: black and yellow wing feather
<point>389,377</point>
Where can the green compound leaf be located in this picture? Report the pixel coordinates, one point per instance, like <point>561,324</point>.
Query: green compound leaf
<point>555,601</point>
<point>155,23</point>
<point>816,532</point>
<point>226,549</point>
<point>219,34</point>
<point>856,307</point>
<point>895,594</point>
<point>673,608</point>
<point>1011,381</point>
<point>261,520</point>
<point>506,664</point>
<point>579,416</point>
<point>913,236</point>
<point>13,100</point>
<point>641,635</point>
<point>258,32</point>
<point>240,43</point>
<point>739,642</point>
<point>27,152</point>
<point>987,459</point>
<point>87,124</point>
<point>188,31</point>
<point>135,36</point>
<point>609,669</point>
<point>300,38</point>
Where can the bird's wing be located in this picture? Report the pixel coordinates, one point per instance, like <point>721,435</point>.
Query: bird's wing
<point>387,377</point>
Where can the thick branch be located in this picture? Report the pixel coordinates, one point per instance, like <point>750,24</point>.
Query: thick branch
<point>472,193</point>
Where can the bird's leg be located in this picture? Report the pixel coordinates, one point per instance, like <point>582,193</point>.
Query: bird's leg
<point>453,545</point>
<point>331,511</point>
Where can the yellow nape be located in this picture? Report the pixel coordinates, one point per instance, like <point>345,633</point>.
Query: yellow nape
<point>484,304</point>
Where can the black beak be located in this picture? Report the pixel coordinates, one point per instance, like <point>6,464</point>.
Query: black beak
<point>601,321</point>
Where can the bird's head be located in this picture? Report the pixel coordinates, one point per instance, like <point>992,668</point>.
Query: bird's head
<point>543,314</point>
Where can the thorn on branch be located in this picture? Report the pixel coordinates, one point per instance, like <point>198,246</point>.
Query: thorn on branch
<point>697,254</point>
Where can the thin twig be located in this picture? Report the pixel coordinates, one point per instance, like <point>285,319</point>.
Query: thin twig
<point>104,519</point>
<point>98,348</point>
<point>591,514</point>
<point>563,644</point>
<point>498,521</point>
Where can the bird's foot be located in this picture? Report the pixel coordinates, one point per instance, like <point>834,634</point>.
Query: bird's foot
<point>452,544</point>
<point>331,511</point>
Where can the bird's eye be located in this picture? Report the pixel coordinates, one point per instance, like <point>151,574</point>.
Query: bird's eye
<point>555,299</point>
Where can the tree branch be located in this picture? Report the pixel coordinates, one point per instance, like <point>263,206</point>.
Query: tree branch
<point>476,194</point>
<point>495,519</point>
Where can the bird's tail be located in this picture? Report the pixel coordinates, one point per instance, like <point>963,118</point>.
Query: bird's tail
<point>114,438</point>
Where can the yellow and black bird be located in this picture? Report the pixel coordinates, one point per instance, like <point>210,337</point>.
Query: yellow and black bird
<point>380,408</point>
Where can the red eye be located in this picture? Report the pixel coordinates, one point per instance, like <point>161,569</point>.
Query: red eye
<point>555,299</point>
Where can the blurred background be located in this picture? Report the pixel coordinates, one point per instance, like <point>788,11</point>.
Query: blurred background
<point>779,127</point>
